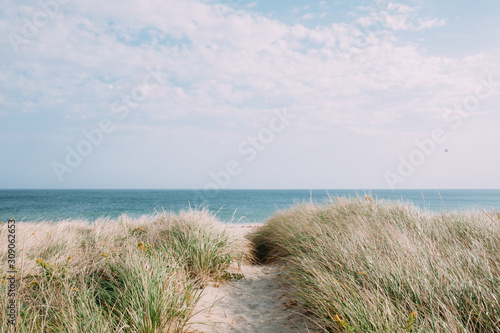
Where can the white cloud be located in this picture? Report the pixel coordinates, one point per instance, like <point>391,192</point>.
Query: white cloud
<point>238,61</point>
<point>430,23</point>
<point>308,16</point>
<point>400,8</point>
<point>228,71</point>
<point>396,17</point>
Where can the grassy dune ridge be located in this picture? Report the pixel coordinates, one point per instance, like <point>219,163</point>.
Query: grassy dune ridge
<point>362,266</point>
<point>355,265</point>
<point>123,275</point>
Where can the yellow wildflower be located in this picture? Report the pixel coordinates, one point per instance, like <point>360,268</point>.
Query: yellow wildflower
<point>340,322</point>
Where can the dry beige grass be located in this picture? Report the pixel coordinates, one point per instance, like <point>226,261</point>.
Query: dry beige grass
<point>364,266</point>
<point>136,275</point>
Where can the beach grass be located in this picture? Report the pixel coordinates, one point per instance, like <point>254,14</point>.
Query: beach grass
<point>353,265</point>
<point>123,275</point>
<point>359,265</point>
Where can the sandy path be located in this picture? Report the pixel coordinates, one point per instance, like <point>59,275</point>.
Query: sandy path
<point>256,303</point>
<point>253,304</point>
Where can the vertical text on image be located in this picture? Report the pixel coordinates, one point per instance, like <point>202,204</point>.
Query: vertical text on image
<point>11,273</point>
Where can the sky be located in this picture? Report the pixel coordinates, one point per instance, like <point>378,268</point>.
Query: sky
<point>236,94</point>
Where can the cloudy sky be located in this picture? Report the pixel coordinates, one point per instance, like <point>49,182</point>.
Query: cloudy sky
<point>249,94</point>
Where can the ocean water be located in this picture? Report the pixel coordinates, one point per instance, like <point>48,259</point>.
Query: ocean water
<point>231,206</point>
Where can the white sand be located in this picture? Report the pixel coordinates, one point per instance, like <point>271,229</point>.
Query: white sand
<point>256,303</point>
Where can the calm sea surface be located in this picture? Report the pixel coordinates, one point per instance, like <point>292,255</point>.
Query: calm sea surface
<point>236,206</point>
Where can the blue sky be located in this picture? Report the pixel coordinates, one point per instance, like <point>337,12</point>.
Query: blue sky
<point>299,94</point>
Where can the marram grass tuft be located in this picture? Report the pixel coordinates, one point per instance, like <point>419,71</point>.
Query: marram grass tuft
<point>360,265</point>
<point>125,275</point>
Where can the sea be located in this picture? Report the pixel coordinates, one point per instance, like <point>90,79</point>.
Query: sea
<point>230,206</point>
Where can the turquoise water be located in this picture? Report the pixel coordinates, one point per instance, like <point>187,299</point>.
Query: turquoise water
<point>236,206</point>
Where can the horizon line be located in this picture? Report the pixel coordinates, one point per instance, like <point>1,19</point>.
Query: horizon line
<point>249,189</point>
